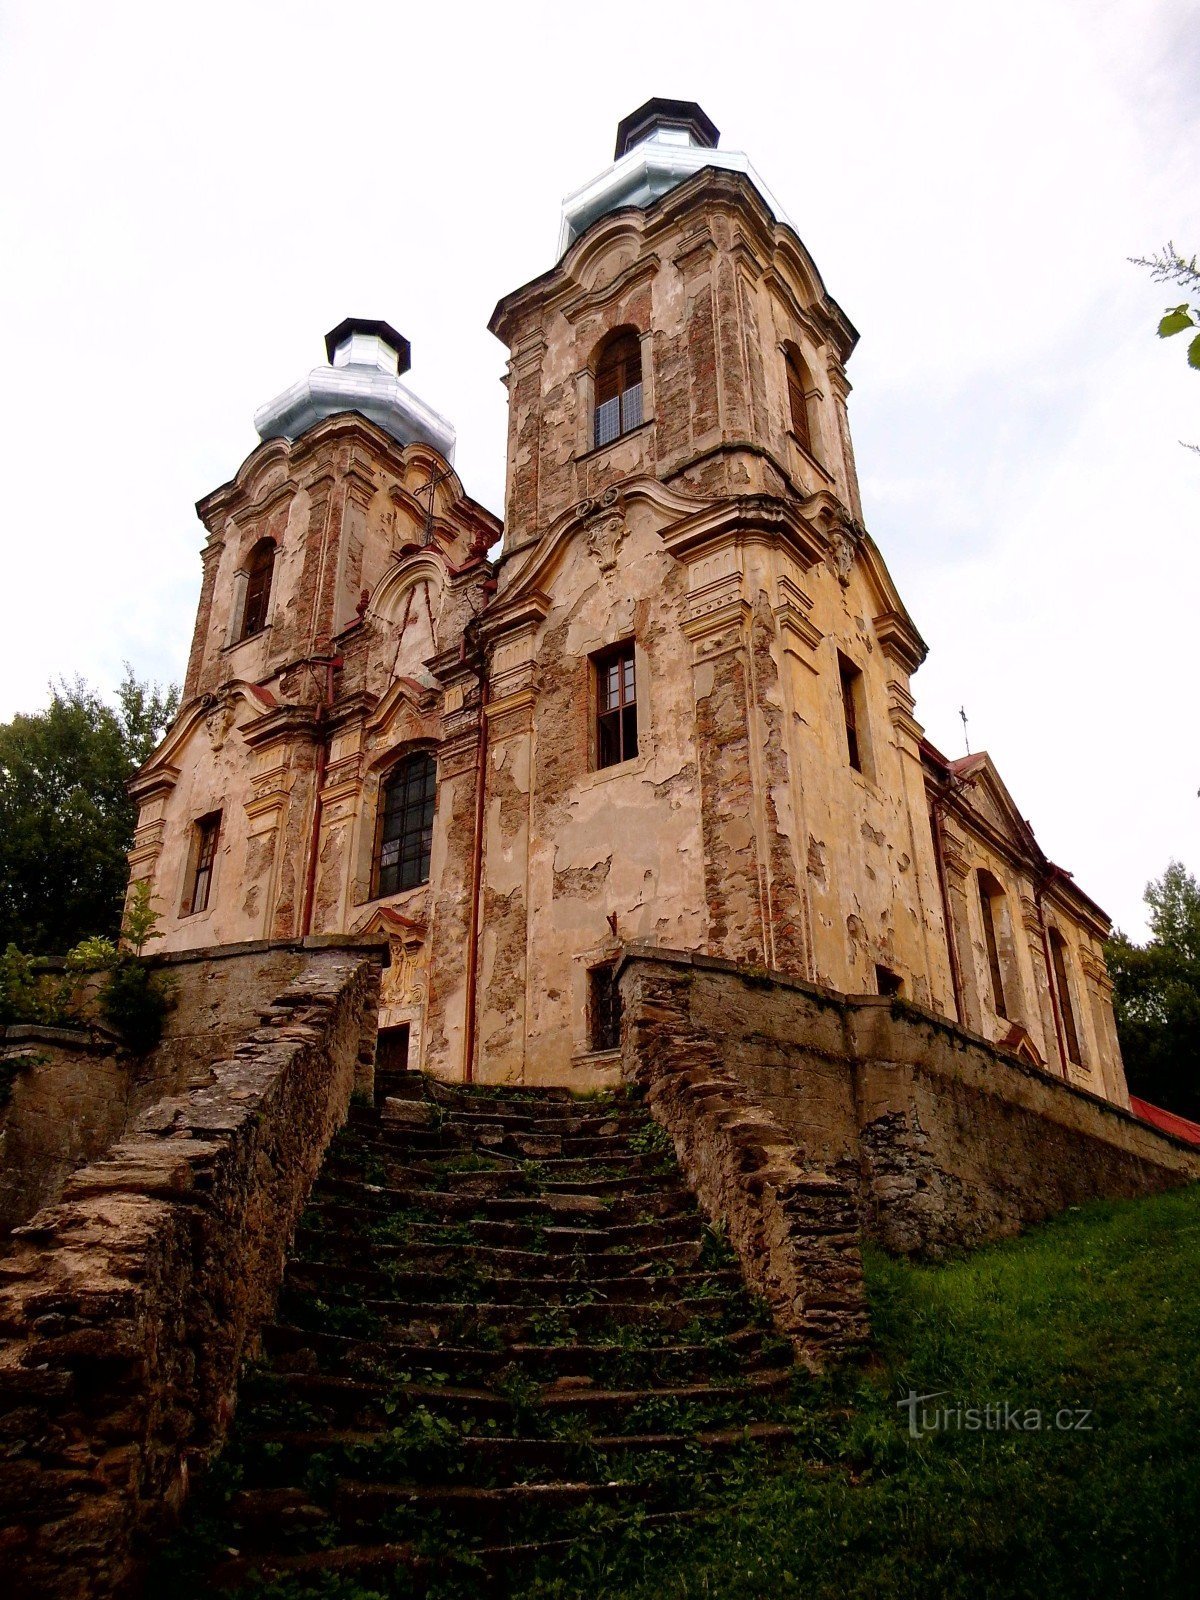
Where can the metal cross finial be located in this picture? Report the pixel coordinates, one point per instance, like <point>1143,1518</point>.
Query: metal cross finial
<point>434,479</point>
<point>962,711</point>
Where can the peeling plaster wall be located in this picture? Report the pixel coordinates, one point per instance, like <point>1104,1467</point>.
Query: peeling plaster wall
<point>621,841</point>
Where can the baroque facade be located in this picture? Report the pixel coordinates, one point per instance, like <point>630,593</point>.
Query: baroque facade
<point>673,709</point>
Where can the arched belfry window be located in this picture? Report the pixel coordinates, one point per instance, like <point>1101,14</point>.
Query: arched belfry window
<point>618,387</point>
<point>258,572</point>
<point>797,387</point>
<point>404,835</point>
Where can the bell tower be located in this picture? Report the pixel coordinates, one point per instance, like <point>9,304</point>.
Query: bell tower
<point>743,351</point>
<point>682,498</point>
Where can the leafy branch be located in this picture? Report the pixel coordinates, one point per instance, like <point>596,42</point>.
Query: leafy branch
<point>1169,266</point>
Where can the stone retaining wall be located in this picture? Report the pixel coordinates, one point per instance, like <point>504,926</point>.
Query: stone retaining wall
<point>792,1217</point>
<point>66,1101</point>
<point>126,1309</point>
<point>804,1118</point>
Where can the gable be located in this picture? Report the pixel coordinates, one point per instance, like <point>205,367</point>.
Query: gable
<point>981,792</point>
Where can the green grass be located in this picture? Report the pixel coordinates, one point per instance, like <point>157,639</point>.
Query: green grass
<point>1098,1311</point>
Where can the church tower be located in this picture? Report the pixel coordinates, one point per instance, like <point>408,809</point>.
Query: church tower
<point>320,770</point>
<point>701,730</point>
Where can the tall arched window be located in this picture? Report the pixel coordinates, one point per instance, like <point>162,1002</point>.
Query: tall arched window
<point>991,905</point>
<point>404,834</point>
<point>797,386</point>
<point>618,387</point>
<point>258,571</point>
<point>1058,956</point>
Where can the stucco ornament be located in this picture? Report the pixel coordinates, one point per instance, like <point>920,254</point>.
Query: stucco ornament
<point>605,538</point>
<point>218,719</point>
<point>607,530</point>
<point>843,547</point>
<point>404,979</point>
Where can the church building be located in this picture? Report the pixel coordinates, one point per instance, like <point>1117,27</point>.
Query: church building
<point>667,702</point>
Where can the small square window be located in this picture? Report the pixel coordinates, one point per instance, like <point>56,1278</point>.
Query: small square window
<point>888,982</point>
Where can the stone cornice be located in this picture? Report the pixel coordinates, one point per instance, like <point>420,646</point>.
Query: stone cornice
<point>711,187</point>
<point>763,517</point>
<point>592,300</point>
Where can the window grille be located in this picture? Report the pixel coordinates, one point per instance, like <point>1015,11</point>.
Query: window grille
<point>406,806</point>
<point>619,389</point>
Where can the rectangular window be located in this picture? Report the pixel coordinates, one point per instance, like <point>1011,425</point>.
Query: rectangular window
<point>888,982</point>
<point>616,706</point>
<point>987,906</point>
<point>207,829</point>
<point>1058,954</point>
<point>854,711</point>
<point>406,825</point>
<point>604,1009</point>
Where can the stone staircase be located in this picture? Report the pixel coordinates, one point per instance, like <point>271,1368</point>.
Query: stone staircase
<point>504,1331</point>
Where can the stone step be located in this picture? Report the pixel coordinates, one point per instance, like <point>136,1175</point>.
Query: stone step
<point>285,1519</point>
<point>442,1259</point>
<point>444,1152</point>
<point>290,1348</point>
<point>361,1403</point>
<point>276,1456</point>
<point>457,1321</point>
<point>616,1207</point>
<point>421,1288</point>
<point>603,1123</point>
<point>340,1220</point>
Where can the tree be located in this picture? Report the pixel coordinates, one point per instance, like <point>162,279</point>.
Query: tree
<point>66,821</point>
<point>1168,266</point>
<point>1157,996</point>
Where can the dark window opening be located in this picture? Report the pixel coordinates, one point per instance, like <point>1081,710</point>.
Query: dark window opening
<point>259,571</point>
<point>851,681</point>
<point>391,1049</point>
<point>618,388</point>
<point>888,982</point>
<point>1058,955</point>
<point>797,402</point>
<point>991,896</point>
<point>616,706</point>
<point>604,1009</point>
<point>207,830</point>
<point>406,825</point>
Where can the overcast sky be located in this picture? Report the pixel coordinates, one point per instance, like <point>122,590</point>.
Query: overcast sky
<point>193,196</point>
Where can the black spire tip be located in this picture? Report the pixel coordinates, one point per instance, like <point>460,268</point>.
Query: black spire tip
<point>658,113</point>
<point>382,330</point>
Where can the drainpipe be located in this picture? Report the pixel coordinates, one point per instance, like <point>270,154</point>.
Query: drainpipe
<point>1039,887</point>
<point>476,870</point>
<point>314,843</point>
<point>939,845</point>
